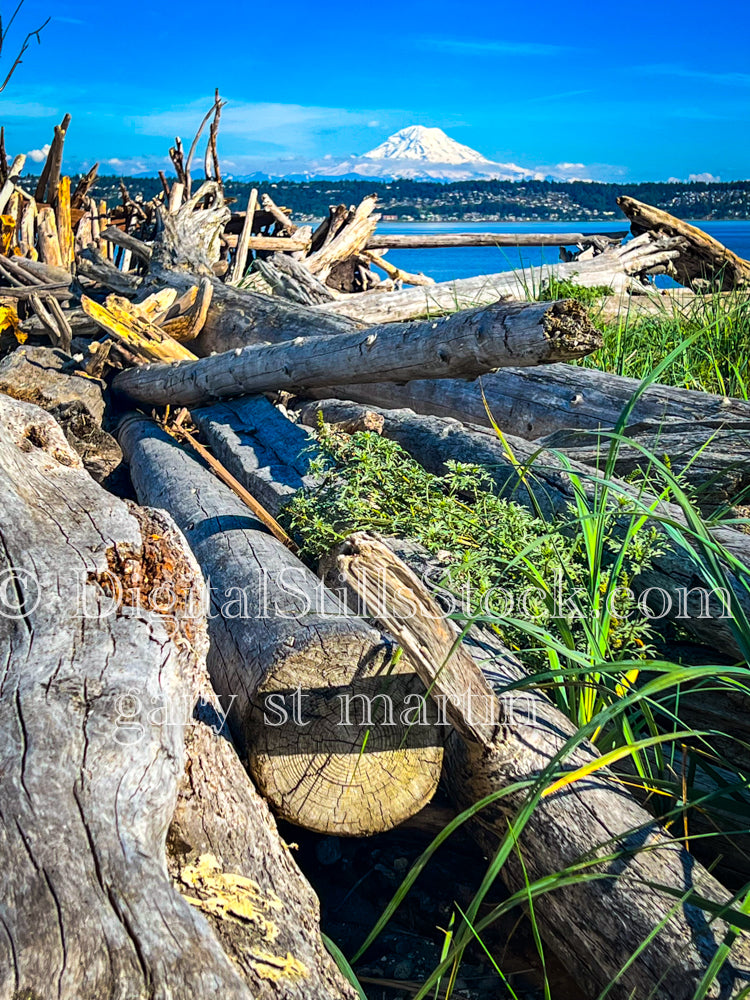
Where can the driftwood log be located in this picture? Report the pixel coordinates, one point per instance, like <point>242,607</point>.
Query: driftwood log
<point>706,438</point>
<point>88,789</point>
<point>534,402</point>
<point>283,655</point>
<point>224,853</point>
<point>622,931</point>
<point>51,379</point>
<point>407,241</point>
<point>434,440</point>
<point>623,269</point>
<point>703,262</point>
<point>265,451</point>
<point>467,343</point>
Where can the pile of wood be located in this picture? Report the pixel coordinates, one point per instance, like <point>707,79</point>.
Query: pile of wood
<point>146,736</point>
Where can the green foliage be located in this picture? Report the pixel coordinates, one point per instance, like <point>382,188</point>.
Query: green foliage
<point>566,289</point>
<point>718,361</point>
<point>496,555</point>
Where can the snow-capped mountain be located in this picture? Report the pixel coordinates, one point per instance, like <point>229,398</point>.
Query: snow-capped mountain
<point>415,153</point>
<point>420,153</point>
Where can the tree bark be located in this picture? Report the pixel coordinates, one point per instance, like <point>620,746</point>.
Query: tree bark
<point>266,452</point>
<point>276,631</point>
<point>93,710</point>
<point>433,440</point>
<point>225,854</point>
<point>622,269</point>
<point>703,261</point>
<point>599,927</point>
<point>534,402</point>
<point>705,437</point>
<point>468,343</point>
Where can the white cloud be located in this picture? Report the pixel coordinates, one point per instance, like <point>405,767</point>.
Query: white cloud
<point>570,166</point>
<point>667,69</point>
<point>705,177</point>
<point>37,155</point>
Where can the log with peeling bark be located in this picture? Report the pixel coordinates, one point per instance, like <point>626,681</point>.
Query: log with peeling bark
<point>622,269</point>
<point>283,654</point>
<point>468,343</point>
<point>638,920</point>
<point>225,855</point>
<point>541,480</point>
<point>88,779</point>
<point>703,262</point>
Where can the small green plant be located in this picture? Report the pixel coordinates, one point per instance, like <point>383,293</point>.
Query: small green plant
<point>498,559</point>
<point>566,288</point>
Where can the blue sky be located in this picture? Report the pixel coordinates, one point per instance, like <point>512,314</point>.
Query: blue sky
<point>614,92</point>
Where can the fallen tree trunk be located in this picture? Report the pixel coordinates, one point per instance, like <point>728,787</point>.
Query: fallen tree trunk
<point>468,343</point>
<point>534,402</point>
<point>541,479</point>
<point>265,451</point>
<point>283,653</point>
<point>93,714</point>
<point>623,269</point>
<point>425,241</point>
<point>705,438</point>
<point>703,261</point>
<point>224,853</point>
<point>622,932</point>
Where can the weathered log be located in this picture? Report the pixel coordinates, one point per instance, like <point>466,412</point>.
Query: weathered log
<point>622,932</point>
<point>266,452</point>
<point>348,241</point>
<point>88,910</point>
<point>50,379</point>
<point>291,280</point>
<point>622,269</point>
<point>703,261</point>
<point>224,853</point>
<point>706,438</point>
<point>681,588</point>
<point>534,402</point>
<point>239,265</point>
<point>467,343</point>
<point>280,640</point>
<point>426,241</point>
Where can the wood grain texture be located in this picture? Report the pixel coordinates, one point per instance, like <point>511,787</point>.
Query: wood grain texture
<point>87,782</point>
<point>275,630</point>
<point>468,343</point>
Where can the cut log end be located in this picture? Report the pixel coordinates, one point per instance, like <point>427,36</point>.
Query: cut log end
<point>568,326</point>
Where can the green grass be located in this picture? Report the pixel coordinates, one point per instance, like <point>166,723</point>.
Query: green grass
<point>718,361</point>
<point>616,692</point>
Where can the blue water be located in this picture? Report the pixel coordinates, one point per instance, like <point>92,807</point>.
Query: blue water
<point>465,262</point>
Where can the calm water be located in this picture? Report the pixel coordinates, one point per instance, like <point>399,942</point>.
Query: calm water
<point>465,262</point>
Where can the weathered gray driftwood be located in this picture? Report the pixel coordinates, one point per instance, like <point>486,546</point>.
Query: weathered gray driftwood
<point>94,704</point>
<point>224,853</point>
<point>264,450</point>
<point>281,643</point>
<point>703,261</point>
<point>533,402</point>
<point>467,343</point>
<point>622,269</point>
<point>599,927</point>
<point>406,241</point>
<point>434,440</point>
<point>706,438</point>
<point>50,379</point>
